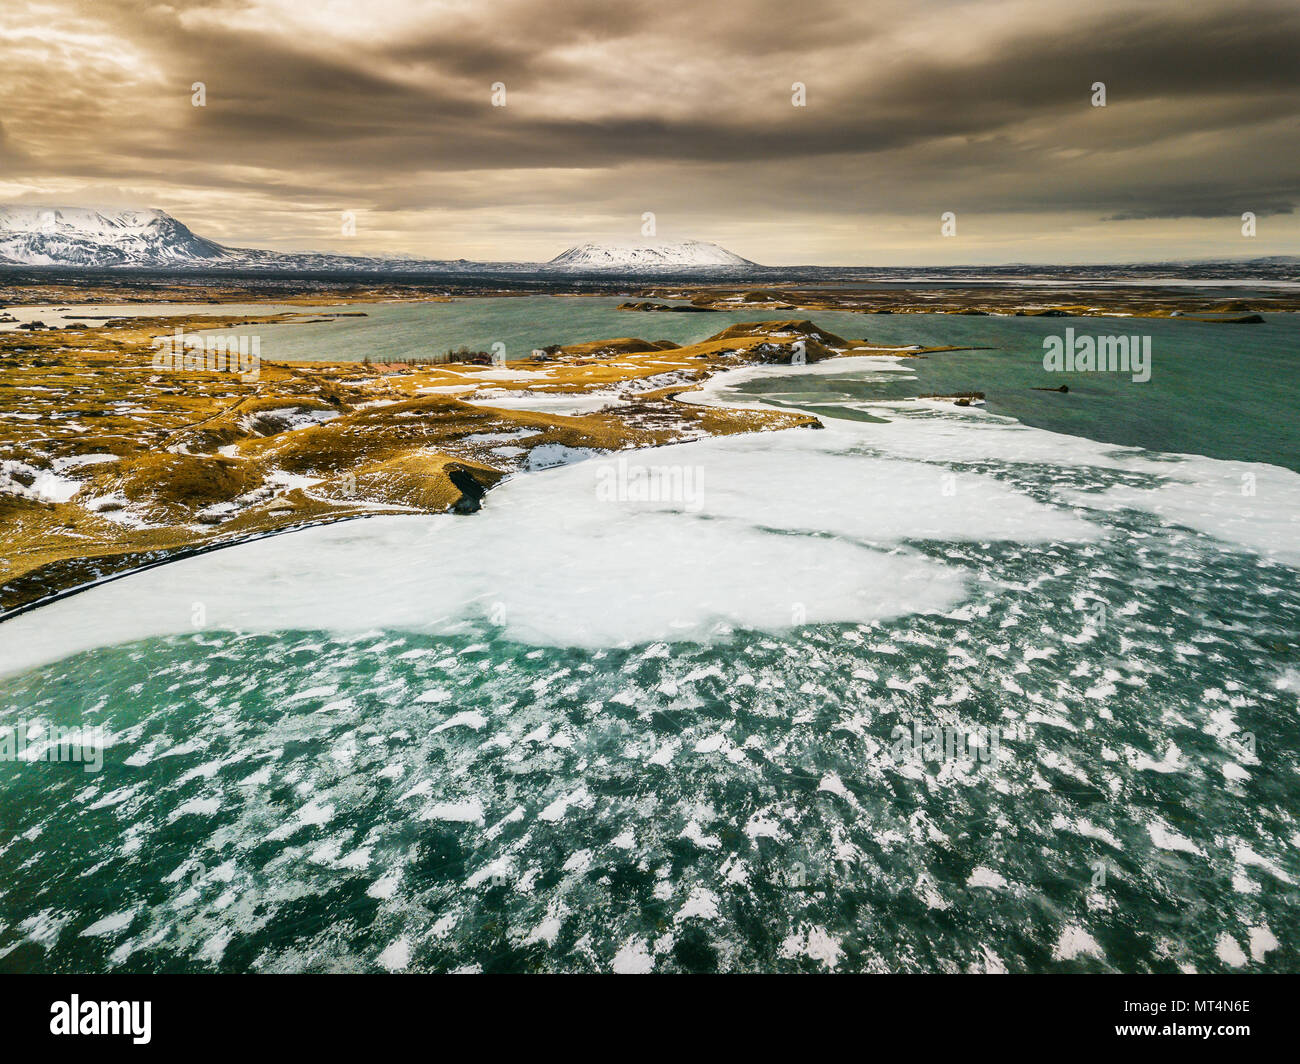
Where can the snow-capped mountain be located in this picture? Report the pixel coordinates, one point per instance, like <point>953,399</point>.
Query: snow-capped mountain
<point>632,258</point>
<point>78,236</point>
<point>152,239</point>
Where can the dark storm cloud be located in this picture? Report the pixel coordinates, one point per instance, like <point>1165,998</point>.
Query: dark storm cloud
<point>1193,52</point>
<point>1184,201</point>
<point>911,107</point>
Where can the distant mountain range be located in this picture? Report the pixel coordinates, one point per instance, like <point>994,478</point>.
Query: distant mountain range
<point>153,239</point>
<point>83,238</point>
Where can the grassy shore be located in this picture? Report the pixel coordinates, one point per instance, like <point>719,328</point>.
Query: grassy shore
<point>108,464</point>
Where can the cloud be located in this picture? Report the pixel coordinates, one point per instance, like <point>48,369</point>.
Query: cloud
<point>912,108</point>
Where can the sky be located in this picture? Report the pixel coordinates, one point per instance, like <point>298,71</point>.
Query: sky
<point>389,110</point>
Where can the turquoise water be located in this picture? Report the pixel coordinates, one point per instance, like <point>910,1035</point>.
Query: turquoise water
<point>393,331</point>
<point>316,799</point>
<point>1229,391</point>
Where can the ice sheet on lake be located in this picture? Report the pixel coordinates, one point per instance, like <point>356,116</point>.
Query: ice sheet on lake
<point>823,525</point>
<point>786,525</point>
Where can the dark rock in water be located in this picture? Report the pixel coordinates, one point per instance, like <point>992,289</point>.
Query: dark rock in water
<point>960,398</point>
<point>686,309</point>
<point>471,492</point>
<point>1062,388</point>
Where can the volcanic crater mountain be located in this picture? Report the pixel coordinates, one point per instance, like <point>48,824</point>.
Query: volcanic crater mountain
<point>685,254</point>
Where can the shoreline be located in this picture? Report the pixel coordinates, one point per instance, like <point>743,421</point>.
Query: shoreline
<point>180,462</point>
<point>703,394</point>
<point>314,443</point>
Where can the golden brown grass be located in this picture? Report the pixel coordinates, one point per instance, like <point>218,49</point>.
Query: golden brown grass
<point>207,458</point>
